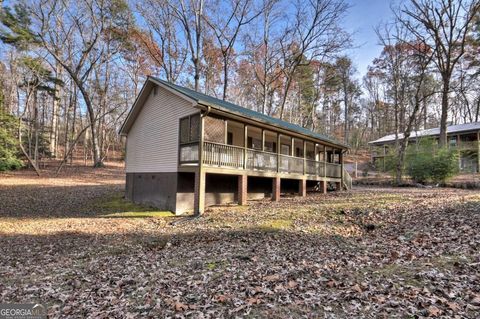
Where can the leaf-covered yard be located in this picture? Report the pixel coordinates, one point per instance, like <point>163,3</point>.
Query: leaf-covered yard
<point>74,245</point>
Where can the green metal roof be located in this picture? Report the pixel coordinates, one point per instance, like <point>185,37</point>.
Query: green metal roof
<point>236,109</point>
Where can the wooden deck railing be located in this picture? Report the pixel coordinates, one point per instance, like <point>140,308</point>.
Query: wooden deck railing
<point>229,156</point>
<point>315,168</point>
<point>290,164</point>
<point>333,170</point>
<point>223,155</point>
<point>261,161</point>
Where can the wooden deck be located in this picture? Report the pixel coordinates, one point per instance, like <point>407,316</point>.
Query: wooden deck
<point>229,159</point>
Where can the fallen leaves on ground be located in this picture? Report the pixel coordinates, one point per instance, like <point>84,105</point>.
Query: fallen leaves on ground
<point>371,253</point>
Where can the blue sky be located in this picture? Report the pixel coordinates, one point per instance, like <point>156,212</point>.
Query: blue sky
<point>362,18</point>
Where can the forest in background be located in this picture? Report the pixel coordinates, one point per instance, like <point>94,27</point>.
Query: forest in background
<point>70,70</point>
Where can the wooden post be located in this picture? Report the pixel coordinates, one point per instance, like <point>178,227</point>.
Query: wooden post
<point>340,158</point>
<point>292,146</point>
<point>304,157</point>
<point>478,152</point>
<point>263,140</point>
<point>302,187</point>
<point>324,161</point>
<point>199,196</point>
<point>278,151</point>
<point>276,189</point>
<point>356,169</point>
<point>323,187</point>
<point>245,143</point>
<point>226,131</point>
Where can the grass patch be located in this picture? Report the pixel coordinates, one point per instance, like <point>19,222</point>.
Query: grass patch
<point>277,224</point>
<point>119,207</point>
<point>139,214</point>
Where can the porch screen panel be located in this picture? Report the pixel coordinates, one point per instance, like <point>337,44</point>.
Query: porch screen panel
<point>184,130</point>
<point>214,130</point>
<point>194,128</point>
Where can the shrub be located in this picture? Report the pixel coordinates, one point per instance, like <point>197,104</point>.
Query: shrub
<point>444,165</point>
<point>8,144</point>
<point>425,162</point>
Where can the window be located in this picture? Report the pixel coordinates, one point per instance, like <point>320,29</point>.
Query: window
<point>190,129</point>
<point>229,138</point>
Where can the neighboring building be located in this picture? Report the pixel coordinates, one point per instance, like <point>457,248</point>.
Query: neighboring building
<point>186,150</point>
<point>464,137</point>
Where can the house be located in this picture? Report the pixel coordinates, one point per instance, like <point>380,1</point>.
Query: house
<point>186,150</point>
<point>463,137</point>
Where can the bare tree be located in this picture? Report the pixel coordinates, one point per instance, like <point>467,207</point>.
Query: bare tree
<point>163,42</point>
<point>444,25</point>
<point>83,28</point>
<point>314,33</point>
<point>420,59</point>
<point>192,30</point>
<point>264,53</point>
<point>226,27</point>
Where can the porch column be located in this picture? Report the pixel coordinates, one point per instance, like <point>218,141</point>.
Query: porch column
<point>225,128</point>
<point>292,146</point>
<point>323,187</point>
<point>276,189</point>
<point>302,187</point>
<point>199,188</point>
<point>199,196</point>
<point>245,143</point>
<point>242,190</point>
<point>278,151</point>
<point>304,157</point>
<point>263,140</point>
<point>325,154</point>
<point>478,151</point>
<point>340,159</point>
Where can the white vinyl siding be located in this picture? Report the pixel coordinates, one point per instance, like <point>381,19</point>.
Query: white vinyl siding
<point>152,142</point>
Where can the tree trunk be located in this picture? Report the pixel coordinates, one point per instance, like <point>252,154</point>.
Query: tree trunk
<point>54,124</point>
<point>97,161</point>
<point>225,77</point>
<point>345,98</point>
<point>285,95</point>
<point>443,118</point>
<point>197,73</point>
<point>20,144</point>
<point>35,126</point>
